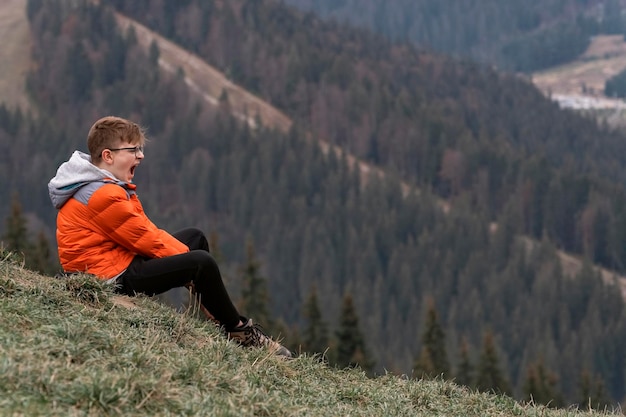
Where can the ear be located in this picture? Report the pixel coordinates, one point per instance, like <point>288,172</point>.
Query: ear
<point>107,156</point>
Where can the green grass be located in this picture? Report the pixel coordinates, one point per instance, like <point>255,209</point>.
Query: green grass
<point>73,347</point>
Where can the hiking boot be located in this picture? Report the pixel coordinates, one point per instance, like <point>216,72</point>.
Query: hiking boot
<point>249,334</point>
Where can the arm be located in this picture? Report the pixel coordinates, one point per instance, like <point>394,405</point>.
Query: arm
<point>123,221</point>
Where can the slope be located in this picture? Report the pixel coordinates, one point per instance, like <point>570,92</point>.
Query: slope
<point>579,85</point>
<point>605,58</point>
<point>206,81</point>
<point>72,347</point>
<point>212,85</point>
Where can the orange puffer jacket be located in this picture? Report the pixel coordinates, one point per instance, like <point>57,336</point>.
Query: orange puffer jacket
<point>101,226</point>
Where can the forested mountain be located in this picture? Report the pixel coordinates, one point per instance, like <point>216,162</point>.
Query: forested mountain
<point>515,35</point>
<point>447,126</point>
<point>488,142</point>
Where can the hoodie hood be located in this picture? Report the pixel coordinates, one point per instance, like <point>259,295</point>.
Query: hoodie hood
<point>72,175</point>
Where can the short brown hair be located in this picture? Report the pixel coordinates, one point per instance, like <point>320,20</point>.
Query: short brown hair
<point>106,131</point>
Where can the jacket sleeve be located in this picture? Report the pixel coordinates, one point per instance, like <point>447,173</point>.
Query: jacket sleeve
<point>123,221</point>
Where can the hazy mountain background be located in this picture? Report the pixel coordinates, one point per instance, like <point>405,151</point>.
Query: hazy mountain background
<point>485,183</point>
<point>526,36</point>
<point>574,51</point>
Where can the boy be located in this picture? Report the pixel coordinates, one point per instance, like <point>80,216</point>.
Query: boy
<point>102,230</point>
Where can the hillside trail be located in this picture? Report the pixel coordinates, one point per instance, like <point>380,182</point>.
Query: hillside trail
<point>211,85</point>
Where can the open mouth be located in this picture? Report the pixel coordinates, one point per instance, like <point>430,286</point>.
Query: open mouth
<point>132,170</point>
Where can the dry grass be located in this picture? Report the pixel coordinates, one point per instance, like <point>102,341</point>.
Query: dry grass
<point>605,57</point>
<point>68,348</point>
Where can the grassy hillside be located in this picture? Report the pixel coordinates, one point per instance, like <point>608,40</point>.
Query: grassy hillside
<point>605,58</point>
<point>580,83</point>
<point>72,347</point>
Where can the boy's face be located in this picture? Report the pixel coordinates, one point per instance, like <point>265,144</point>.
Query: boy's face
<point>122,160</point>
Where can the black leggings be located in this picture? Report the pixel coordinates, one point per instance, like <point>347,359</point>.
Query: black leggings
<point>197,267</point>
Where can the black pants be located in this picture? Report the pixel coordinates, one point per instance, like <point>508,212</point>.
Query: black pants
<point>196,267</point>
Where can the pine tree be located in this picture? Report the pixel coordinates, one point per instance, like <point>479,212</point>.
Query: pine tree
<point>593,393</point>
<point>38,258</point>
<point>601,397</point>
<point>433,359</point>
<point>540,386</point>
<point>351,349</point>
<point>424,366</point>
<point>16,235</point>
<point>80,72</point>
<point>154,53</point>
<point>287,336</point>
<point>315,335</point>
<point>489,376</point>
<point>464,373</point>
<point>255,298</point>
<point>214,247</point>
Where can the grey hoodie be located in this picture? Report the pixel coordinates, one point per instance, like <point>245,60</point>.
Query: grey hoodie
<point>73,175</point>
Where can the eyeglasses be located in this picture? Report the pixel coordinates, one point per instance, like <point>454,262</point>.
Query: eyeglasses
<point>134,149</point>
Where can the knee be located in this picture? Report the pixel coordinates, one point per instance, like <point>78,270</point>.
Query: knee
<point>195,232</point>
<point>205,260</point>
<point>194,238</point>
<point>192,233</point>
<point>207,272</point>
